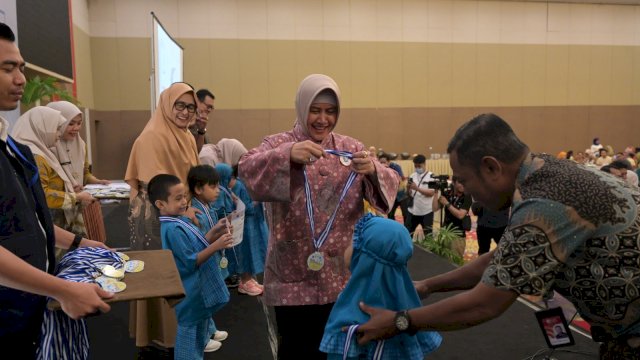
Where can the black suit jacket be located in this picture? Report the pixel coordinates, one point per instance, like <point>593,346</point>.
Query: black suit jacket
<point>23,216</point>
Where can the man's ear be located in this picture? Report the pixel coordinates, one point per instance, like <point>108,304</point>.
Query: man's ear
<point>199,190</point>
<point>491,168</point>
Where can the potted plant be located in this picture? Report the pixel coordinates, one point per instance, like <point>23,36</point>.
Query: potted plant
<point>446,243</point>
<point>37,89</point>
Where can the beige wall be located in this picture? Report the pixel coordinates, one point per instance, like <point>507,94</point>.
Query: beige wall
<point>84,71</point>
<point>410,72</point>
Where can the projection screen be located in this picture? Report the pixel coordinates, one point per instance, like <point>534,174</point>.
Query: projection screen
<point>166,61</point>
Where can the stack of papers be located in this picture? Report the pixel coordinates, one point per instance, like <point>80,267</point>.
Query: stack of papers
<point>115,190</point>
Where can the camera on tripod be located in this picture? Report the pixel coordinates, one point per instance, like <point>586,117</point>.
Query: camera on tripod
<point>440,183</point>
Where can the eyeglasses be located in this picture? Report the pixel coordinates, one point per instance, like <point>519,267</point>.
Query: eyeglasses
<point>179,105</point>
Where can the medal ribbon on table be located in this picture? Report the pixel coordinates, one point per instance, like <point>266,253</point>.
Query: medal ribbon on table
<point>315,261</point>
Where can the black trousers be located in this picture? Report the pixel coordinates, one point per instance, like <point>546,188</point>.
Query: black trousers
<point>300,329</point>
<point>403,209</point>
<point>485,234</point>
<point>23,344</point>
<point>425,220</point>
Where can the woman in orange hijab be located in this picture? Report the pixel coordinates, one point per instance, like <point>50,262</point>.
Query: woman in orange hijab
<point>165,146</point>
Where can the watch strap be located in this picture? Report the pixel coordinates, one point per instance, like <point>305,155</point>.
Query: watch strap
<point>410,330</point>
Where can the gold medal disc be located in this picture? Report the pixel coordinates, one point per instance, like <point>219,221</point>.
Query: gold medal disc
<point>315,261</point>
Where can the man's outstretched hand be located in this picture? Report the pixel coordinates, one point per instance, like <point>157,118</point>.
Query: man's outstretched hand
<point>381,325</point>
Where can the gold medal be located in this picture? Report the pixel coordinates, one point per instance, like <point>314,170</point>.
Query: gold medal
<point>315,261</point>
<point>224,262</point>
<point>112,272</point>
<point>111,284</point>
<point>344,160</point>
<point>123,256</point>
<point>134,266</point>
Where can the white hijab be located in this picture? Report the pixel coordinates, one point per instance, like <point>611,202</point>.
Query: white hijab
<point>70,153</point>
<point>226,151</point>
<point>310,87</point>
<point>40,128</point>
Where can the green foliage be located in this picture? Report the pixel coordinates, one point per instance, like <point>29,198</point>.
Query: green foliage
<point>442,243</point>
<point>37,89</point>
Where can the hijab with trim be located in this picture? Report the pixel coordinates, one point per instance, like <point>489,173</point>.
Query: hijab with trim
<point>309,89</point>
<point>70,153</point>
<point>379,277</point>
<point>40,129</point>
<point>163,147</point>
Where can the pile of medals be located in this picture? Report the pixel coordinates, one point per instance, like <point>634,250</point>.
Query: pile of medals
<point>110,277</point>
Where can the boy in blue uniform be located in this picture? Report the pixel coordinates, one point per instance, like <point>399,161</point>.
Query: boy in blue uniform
<point>193,252</point>
<point>203,185</point>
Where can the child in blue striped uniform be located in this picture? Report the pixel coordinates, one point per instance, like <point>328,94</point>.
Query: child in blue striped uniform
<point>193,252</point>
<point>203,185</point>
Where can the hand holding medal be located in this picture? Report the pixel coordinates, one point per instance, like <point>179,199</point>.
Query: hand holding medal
<point>362,163</point>
<point>221,227</point>
<point>306,152</point>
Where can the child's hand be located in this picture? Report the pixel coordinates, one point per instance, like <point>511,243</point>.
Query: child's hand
<point>224,242</point>
<point>222,227</point>
<point>191,214</point>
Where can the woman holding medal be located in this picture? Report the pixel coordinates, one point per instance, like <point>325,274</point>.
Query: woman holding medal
<point>315,181</point>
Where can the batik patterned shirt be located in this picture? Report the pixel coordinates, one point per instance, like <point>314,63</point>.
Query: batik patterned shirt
<point>574,230</point>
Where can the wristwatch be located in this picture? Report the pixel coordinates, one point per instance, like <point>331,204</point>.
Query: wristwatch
<point>403,322</point>
<point>203,131</point>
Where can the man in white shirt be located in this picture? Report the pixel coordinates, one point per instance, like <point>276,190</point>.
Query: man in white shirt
<point>420,212</point>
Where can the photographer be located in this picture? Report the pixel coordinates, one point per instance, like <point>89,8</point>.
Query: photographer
<point>420,197</point>
<point>456,206</point>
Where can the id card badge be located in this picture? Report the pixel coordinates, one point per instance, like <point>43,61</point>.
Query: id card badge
<point>555,328</point>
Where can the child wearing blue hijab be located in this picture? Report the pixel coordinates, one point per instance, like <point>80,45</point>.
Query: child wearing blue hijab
<point>225,203</point>
<point>252,250</point>
<point>379,275</point>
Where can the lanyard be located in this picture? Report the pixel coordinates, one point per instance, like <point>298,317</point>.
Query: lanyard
<point>317,243</point>
<point>195,231</point>
<point>377,355</point>
<point>206,211</point>
<point>339,153</point>
<point>31,165</point>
